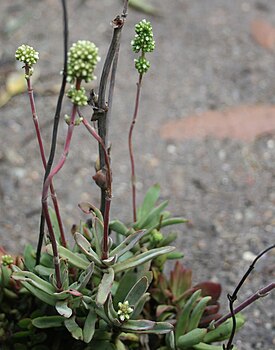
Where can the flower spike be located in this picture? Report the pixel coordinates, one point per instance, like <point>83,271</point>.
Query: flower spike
<point>28,56</point>
<point>82,60</point>
<point>143,42</point>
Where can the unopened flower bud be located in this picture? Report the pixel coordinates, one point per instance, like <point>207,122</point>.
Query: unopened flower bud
<point>78,96</point>
<point>7,260</point>
<point>100,179</point>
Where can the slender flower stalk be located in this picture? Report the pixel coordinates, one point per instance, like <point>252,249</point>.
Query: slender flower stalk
<point>130,145</point>
<point>143,42</point>
<point>54,171</point>
<point>55,122</point>
<point>108,190</point>
<point>29,57</point>
<point>43,157</point>
<point>82,59</point>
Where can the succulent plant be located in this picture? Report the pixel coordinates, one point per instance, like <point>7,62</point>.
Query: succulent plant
<point>107,291</point>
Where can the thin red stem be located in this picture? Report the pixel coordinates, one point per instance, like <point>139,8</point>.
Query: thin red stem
<point>130,144</point>
<point>43,157</point>
<point>108,191</point>
<point>259,294</point>
<point>46,186</point>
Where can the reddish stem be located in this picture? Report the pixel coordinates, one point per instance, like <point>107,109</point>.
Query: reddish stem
<point>43,157</point>
<point>47,182</point>
<point>259,294</point>
<point>108,191</point>
<point>132,160</point>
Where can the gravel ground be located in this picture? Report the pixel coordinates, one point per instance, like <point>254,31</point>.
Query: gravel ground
<point>205,59</point>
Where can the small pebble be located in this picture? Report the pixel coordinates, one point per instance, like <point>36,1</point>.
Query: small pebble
<point>248,256</point>
<point>171,149</point>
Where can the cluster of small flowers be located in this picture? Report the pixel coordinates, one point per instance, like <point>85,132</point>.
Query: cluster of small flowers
<point>142,65</point>
<point>124,311</point>
<point>143,40</point>
<point>28,56</point>
<point>7,260</point>
<point>78,97</point>
<point>82,59</point>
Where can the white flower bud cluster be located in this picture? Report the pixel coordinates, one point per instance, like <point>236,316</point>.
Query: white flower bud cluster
<point>82,60</point>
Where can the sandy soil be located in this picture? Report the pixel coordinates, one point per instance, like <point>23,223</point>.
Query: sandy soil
<point>205,60</point>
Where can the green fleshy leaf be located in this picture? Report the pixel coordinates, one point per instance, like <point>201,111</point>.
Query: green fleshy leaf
<point>141,258</point>
<point>48,321</point>
<point>98,235</point>
<point>224,330</point>
<point>175,256</point>
<point>36,281</point>
<point>43,270</point>
<point>85,277</point>
<point>73,328</point>
<point>63,309</point>
<point>191,338</point>
<point>167,222</point>
<point>105,286</point>
<point>22,334</point>
<point>73,258</point>
<point>89,208</point>
<point>127,244</point>
<point>171,237</point>
<point>119,227</point>
<point>111,312</point>
<point>55,225</point>
<point>140,305</point>
<point>170,340</point>
<point>125,284</point>
<point>147,327</point>
<point>152,218</point>
<point>64,274</point>
<point>197,313</point>
<point>137,291</point>
<point>25,323</point>
<point>29,257</point>
<point>137,325</point>
<point>89,326</point>
<point>46,260</point>
<point>150,199</point>
<point>183,319</point>
<point>120,345</point>
<point>85,246</point>
<point>45,297</point>
<point>5,276</point>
